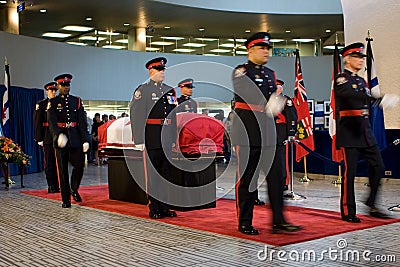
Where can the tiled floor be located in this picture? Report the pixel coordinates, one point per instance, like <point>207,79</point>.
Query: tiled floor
<point>38,232</point>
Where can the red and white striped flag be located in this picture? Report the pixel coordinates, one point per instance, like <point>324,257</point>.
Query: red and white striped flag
<point>5,114</point>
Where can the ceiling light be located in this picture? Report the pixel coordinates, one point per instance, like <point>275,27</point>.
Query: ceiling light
<point>220,50</point>
<point>207,39</point>
<point>152,49</point>
<point>194,45</point>
<point>331,47</point>
<point>79,44</point>
<point>276,40</point>
<point>56,34</point>
<point>288,31</point>
<point>210,55</point>
<point>327,30</point>
<point>241,52</point>
<point>3,2</point>
<point>127,24</point>
<point>183,50</point>
<point>237,40</point>
<point>43,11</point>
<point>122,41</point>
<point>247,31</point>
<point>201,29</point>
<point>149,36</point>
<point>89,19</point>
<point>114,46</point>
<point>227,45</point>
<point>108,33</point>
<point>92,38</point>
<point>172,38</point>
<point>161,43</point>
<point>75,28</point>
<point>303,40</point>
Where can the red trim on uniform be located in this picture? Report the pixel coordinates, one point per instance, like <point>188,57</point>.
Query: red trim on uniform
<point>242,105</point>
<point>155,64</point>
<point>262,40</point>
<point>51,87</point>
<point>67,124</point>
<point>158,121</point>
<point>146,176</point>
<point>353,50</point>
<point>183,84</point>
<point>79,102</point>
<point>281,118</point>
<point>45,124</point>
<point>345,189</point>
<point>64,80</point>
<point>356,112</point>
<point>58,170</point>
<point>237,148</point>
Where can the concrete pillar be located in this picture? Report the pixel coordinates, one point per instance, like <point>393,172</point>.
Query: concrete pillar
<point>9,19</point>
<point>137,39</point>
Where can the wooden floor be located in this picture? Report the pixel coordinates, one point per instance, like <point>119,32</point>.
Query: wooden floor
<point>38,232</point>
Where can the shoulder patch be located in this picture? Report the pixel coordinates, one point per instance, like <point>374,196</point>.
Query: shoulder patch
<point>240,71</point>
<point>289,102</point>
<point>37,106</point>
<point>341,80</point>
<point>137,95</point>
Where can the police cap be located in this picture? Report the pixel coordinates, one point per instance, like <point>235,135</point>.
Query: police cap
<point>353,49</point>
<point>186,83</point>
<point>63,79</point>
<point>51,86</point>
<point>259,39</point>
<point>157,63</point>
<point>279,82</point>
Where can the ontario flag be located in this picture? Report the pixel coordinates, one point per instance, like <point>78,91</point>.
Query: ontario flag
<point>377,118</point>
<point>5,115</point>
<point>304,126</point>
<point>337,154</point>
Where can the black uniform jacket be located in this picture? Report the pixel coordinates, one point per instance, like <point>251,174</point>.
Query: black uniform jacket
<point>186,104</point>
<point>351,93</point>
<point>153,101</point>
<point>65,109</point>
<point>253,85</point>
<point>286,121</point>
<point>42,131</point>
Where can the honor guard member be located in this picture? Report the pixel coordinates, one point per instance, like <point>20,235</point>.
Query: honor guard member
<point>44,139</point>
<point>154,129</point>
<point>185,102</point>
<point>354,134</point>
<point>253,85</point>
<point>68,125</point>
<point>286,128</point>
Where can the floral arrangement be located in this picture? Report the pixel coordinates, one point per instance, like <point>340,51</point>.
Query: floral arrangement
<point>12,152</point>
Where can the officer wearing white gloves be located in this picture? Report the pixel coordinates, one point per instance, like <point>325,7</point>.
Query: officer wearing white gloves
<point>44,139</point>
<point>68,126</point>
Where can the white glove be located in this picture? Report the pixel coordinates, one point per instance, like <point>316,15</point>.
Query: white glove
<point>389,101</point>
<point>62,140</point>
<point>375,93</point>
<point>275,104</point>
<point>85,147</point>
<point>140,147</point>
<point>40,143</point>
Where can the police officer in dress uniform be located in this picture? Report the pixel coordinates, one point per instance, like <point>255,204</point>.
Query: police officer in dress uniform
<point>250,136</point>
<point>154,129</point>
<point>44,139</point>
<point>286,128</point>
<point>68,126</point>
<point>354,133</point>
<point>185,103</point>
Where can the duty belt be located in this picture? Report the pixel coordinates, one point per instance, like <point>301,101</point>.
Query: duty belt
<point>253,107</point>
<point>354,113</point>
<point>159,121</point>
<point>67,124</point>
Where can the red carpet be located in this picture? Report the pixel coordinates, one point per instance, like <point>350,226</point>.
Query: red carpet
<point>222,220</point>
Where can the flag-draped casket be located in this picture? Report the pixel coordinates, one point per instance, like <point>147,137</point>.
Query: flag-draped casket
<point>197,134</point>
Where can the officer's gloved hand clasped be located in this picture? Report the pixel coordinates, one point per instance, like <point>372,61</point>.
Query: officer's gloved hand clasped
<point>85,147</point>
<point>139,147</point>
<point>389,101</point>
<point>62,140</point>
<point>40,143</point>
<point>275,104</point>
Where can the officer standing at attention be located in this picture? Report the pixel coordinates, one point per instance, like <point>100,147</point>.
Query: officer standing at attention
<point>185,103</point>
<point>286,128</point>
<point>68,126</point>
<point>354,134</point>
<point>44,139</point>
<point>254,86</point>
<point>154,129</point>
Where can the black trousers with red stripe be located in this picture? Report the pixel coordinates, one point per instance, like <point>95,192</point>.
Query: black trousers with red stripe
<point>252,160</point>
<point>376,170</point>
<point>50,167</point>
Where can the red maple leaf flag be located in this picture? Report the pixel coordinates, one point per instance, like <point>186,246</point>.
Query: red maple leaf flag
<point>304,126</point>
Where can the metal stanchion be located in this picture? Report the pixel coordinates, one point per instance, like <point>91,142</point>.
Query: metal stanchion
<point>395,208</point>
<point>339,179</point>
<point>305,178</point>
<point>291,195</point>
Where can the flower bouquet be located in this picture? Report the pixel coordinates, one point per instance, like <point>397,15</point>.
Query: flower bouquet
<point>12,152</point>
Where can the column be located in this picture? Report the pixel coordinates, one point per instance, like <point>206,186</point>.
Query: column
<point>137,39</point>
<point>9,19</point>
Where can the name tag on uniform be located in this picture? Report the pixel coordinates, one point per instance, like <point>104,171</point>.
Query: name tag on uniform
<point>259,80</point>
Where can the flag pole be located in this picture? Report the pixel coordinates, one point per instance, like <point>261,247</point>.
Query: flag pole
<point>292,195</point>
<point>305,178</point>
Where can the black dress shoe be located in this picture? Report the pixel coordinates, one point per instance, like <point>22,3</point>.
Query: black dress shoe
<point>373,212</point>
<point>285,227</point>
<point>76,196</point>
<point>259,202</point>
<point>53,189</point>
<point>168,213</point>
<point>155,214</point>
<point>66,204</point>
<point>285,188</point>
<point>351,219</point>
<point>248,230</point>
